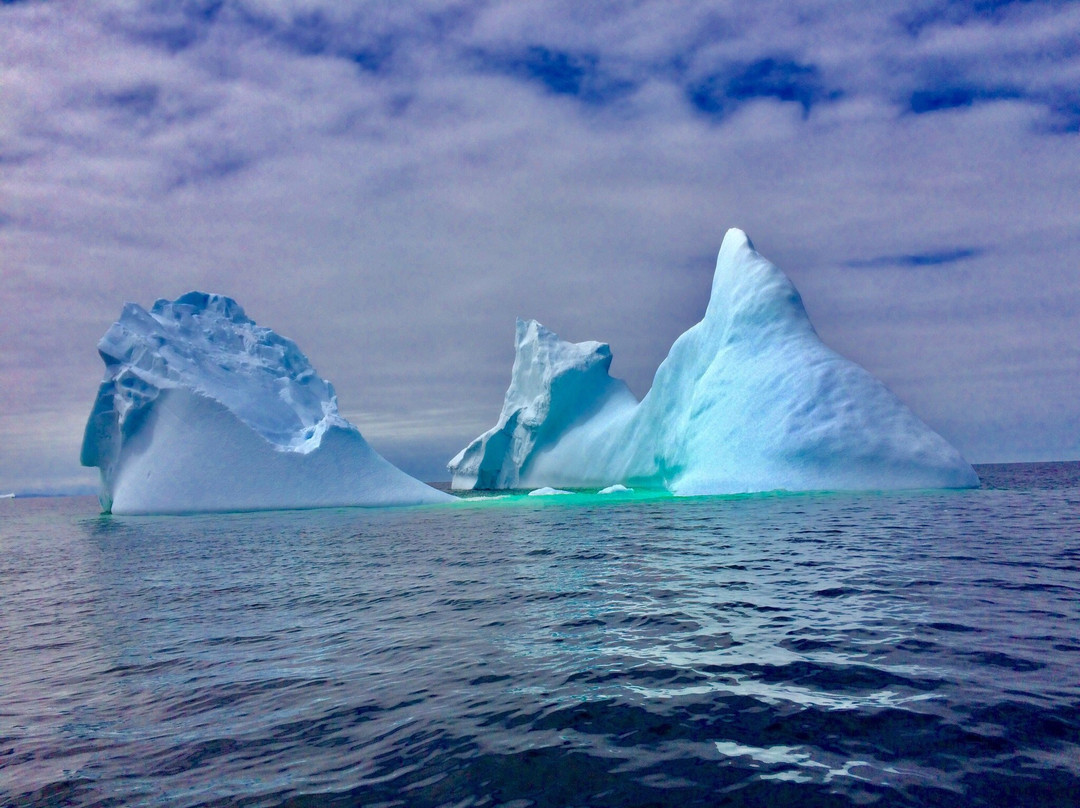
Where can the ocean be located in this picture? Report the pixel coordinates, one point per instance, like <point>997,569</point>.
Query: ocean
<point>822,649</point>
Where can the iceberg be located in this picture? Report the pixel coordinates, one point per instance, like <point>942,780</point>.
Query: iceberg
<point>554,387</point>
<point>749,399</point>
<point>201,410</point>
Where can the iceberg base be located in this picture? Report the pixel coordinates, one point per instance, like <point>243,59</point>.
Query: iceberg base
<point>190,453</point>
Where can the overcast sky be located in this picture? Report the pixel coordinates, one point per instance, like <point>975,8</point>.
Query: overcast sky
<point>391,183</point>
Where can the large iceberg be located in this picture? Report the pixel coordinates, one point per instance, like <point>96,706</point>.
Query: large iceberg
<point>749,399</point>
<point>203,410</point>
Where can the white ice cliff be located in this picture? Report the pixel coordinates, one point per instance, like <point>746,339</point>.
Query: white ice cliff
<point>203,410</point>
<point>749,399</point>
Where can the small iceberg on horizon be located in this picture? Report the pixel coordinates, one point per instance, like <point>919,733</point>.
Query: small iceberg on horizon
<point>748,400</point>
<point>547,491</point>
<point>618,488</point>
<point>203,410</point>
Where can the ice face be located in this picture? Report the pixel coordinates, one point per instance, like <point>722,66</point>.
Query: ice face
<point>203,410</point>
<point>749,399</point>
<point>554,386</point>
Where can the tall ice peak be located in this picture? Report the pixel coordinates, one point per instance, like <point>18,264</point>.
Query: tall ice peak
<point>748,399</point>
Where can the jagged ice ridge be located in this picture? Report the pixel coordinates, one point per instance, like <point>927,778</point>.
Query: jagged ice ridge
<point>203,410</point>
<point>749,399</point>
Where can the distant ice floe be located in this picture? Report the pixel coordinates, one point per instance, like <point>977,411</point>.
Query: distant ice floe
<point>747,400</point>
<point>547,492</point>
<point>203,410</point>
<point>618,488</point>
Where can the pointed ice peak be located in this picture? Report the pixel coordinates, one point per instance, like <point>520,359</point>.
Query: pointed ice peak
<point>749,399</point>
<point>528,331</point>
<point>196,303</point>
<point>539,349</point>
<point>750,293</point>
<point>554,384</point>
<point>735,240</point>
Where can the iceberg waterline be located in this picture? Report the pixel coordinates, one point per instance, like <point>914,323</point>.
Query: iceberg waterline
<point>201,409</point>
<point>749,399</point>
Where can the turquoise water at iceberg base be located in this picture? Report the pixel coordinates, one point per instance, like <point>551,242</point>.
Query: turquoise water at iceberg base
<point>909,649</point>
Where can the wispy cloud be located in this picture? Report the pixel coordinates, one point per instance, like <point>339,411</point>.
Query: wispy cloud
<point>926,259</point>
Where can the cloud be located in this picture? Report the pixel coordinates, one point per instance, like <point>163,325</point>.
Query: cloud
<point>927,259</point>
<point>391,184</point>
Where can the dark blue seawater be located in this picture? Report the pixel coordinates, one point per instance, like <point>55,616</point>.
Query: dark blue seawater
<point>803,650</point>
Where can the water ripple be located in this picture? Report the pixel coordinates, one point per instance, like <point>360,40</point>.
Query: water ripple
<point>890,649</point>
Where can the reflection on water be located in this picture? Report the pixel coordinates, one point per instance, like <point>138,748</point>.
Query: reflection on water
<point>908,649</point>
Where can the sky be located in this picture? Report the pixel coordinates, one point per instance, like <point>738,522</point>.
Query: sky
<point>390,184</point>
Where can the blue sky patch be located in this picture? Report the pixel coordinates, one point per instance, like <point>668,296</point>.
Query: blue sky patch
<point>783,80</point>
<point>173,38</point>
<point>216,165</point>
<point>560,73</point>
<point>954,96</point>
<point>139,101</point>
<point>959,12</point>
<point>315,34</point>
<point>180,30</point>
<point>916,260</point>
<point>309,34</point>
<point>1065,113</point>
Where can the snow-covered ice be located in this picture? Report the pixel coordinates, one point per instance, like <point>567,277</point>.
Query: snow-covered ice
<point>547,491</point>
<point>749,399</point>
<point>618,488</point>
<point>203,410</point>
